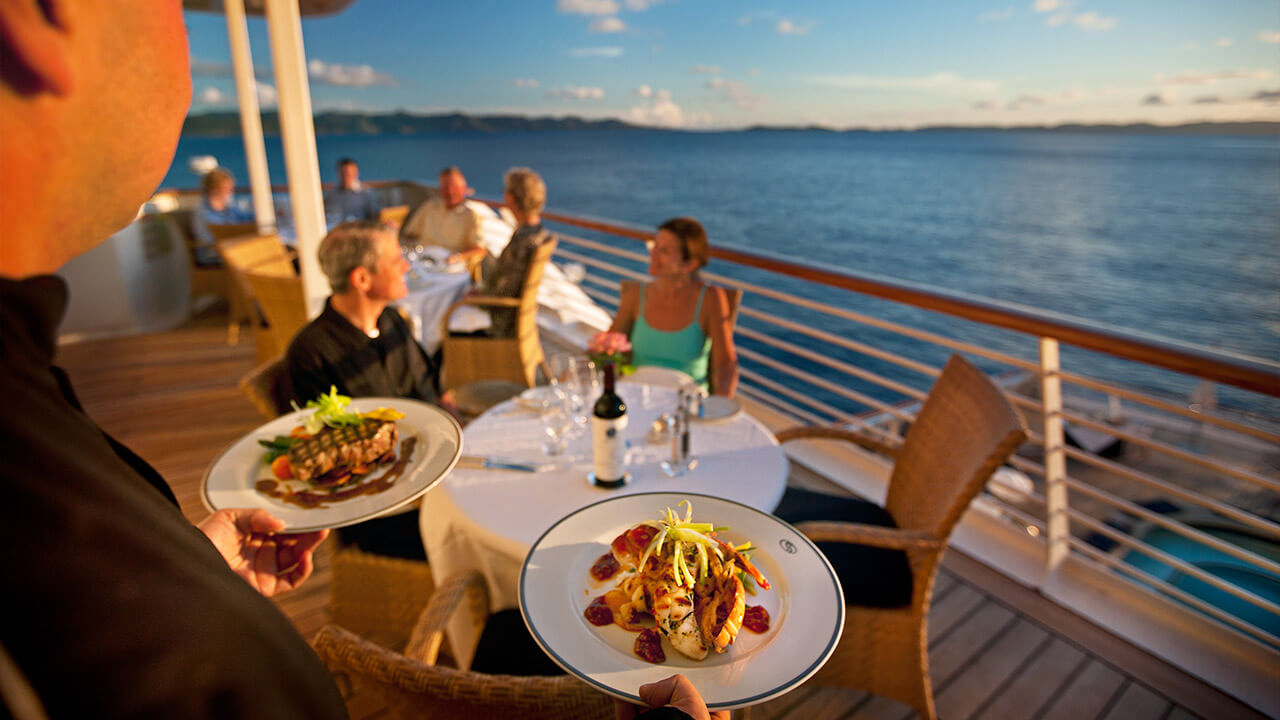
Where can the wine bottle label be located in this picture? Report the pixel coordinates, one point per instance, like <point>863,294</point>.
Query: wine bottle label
<point>609,448</point>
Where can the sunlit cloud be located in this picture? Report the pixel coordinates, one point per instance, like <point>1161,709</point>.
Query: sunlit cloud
<point>643,91</point>
<point>641,5</point>
<point>607,25</point>
<point>607,52</point>
<point>347,75</point>
<point>577,93</point>
<point>1190,77</point>
<point>996,15</point>
<point>786,27</point>
<point>525,83</point>
<point>942,81</point>
<point>1044,6</point>
<point>1225,42</point>
<point>735,92</point>
<point>1058,19</point>
<point>1269,36</point>
<point>1267,96</point>
<point>661,111</point>
<point>705,69</point>
<point>587,7</point>
<point>267,95</point>
<point>1093,21</point>
<point>210,96</point>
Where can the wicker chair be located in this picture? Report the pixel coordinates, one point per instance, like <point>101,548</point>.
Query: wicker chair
<point>965,430</point>
<point>482,360</point>
<point>262,385</point>
<point>259,253</point>
<point>393,215</point>
<point>411,685</point>
<point>281,302</point>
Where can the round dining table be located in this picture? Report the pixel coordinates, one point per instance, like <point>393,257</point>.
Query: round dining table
<point>487,519</point>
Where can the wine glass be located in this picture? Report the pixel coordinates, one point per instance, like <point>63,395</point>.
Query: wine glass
<point>557,421</point>
<point>583,386</point>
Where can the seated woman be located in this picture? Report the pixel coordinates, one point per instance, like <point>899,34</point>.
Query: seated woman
<point>215,209</point>
<point>679,321</point>
<point>525,195</point>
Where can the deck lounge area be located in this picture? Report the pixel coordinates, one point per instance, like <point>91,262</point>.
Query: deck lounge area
<point>997,649</point>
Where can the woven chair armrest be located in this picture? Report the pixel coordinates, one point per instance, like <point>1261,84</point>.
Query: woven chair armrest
<point>862,439</point>
<point>884,537</point>
<point>428,633</point>
<point>489,300</point>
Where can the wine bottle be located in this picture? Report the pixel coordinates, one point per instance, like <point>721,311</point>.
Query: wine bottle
<point>608,444</point>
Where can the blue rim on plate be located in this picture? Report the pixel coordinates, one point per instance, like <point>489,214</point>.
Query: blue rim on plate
<point>806,604</point>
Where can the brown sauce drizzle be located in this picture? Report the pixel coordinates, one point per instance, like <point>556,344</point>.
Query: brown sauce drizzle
<point>313,498</point>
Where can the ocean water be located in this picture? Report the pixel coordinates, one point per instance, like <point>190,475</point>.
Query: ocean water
<point>1176,236</point>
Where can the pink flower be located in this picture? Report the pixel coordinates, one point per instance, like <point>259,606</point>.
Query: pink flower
<point>609,343</point>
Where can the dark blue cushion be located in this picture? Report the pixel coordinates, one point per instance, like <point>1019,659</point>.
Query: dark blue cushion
<point>870,576</point>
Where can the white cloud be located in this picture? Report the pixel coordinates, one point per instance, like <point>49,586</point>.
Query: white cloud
<point>643,91</point>
<point>525,83</point>
<point>1093,21</point>
<point>267,95</point>
<point>661,111</point>
<point>1269,36</point>
<point>786,27</point>
<point>606,25</point>
<point>944,81</point>
<point>996,15</point>
<point>735,92</point>
<point>347,75</point>
<point>641,5</point>
<point>610,52</point>
<point>1191,77</point>
<point>1044,6</point>
<point>705,69</point>
<point>1056,20</point>
<point>210,96</point>
<point>1225,42</point>
<point>576,92</point>
<point>587,7</point>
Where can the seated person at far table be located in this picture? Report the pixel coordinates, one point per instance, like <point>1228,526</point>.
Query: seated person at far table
<point>445,220</point>
<point>679,321</point>
<point>525,195</point>
<point>350,200</point>
<point>364,348</point>
<point>217,208</point>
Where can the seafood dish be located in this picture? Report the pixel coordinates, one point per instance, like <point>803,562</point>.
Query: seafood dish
<point>681,583</point>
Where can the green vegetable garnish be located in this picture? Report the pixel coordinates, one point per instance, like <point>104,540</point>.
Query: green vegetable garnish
<point>330,410</point>
<point>277,447</point>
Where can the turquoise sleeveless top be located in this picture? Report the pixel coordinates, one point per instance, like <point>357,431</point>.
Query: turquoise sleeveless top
<point>686,349</point>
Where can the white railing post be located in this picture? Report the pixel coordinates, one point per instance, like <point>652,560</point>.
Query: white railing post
<point>1057,527</point>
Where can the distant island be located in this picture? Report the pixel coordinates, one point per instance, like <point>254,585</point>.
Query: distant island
<point>221,124</point>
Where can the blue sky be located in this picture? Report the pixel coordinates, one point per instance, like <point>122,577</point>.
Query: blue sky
<point>730,63</point>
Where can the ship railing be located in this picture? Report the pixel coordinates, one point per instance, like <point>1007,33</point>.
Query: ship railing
<point>1204,474</point>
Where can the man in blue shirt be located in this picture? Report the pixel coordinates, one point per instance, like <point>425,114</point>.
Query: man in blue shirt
<point>350,200</point>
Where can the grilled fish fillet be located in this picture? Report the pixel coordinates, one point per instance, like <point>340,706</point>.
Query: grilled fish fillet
<point>342,447</point>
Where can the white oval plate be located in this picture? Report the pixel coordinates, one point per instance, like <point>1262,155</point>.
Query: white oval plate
<point>229,480</point>
<point>805,604</point>
<point>716,408</point>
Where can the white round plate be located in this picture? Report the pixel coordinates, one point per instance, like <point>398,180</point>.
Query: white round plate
<point>716,408</point>
<point>805,604</point>
<point>229,481</point>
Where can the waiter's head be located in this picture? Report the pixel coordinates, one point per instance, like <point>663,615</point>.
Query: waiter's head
<point>92,100</point>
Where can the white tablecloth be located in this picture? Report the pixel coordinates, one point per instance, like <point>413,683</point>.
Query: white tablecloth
<point>487,520</point>
<point>429,298</point>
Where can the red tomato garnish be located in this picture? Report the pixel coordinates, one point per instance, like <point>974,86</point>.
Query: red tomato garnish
<point>281,468</point>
